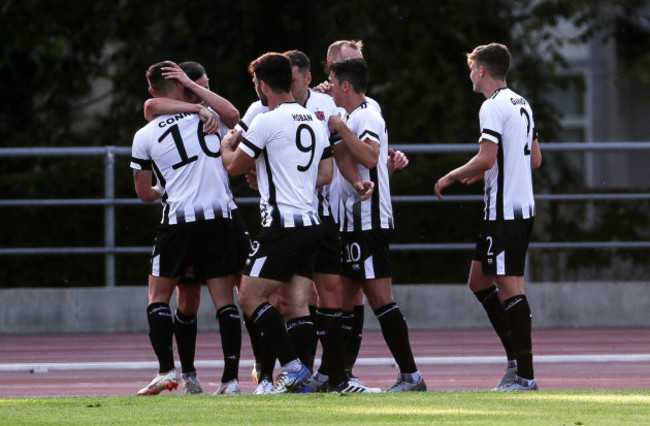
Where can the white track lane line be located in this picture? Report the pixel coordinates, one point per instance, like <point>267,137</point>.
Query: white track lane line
<point>38,367</point>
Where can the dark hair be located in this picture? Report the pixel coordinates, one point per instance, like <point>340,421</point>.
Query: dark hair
<point>494,56</point>
<point>160,85</point>
<point>274,69</point>
<point>352,70</point>
<point>194,70</point>
<point>298,59</point>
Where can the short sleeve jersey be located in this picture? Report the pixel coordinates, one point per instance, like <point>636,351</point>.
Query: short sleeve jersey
<point>288,144</point>
<point>376,212</point>
<point>187,163</point>
<point>323,108</point>
<point>507,120</point>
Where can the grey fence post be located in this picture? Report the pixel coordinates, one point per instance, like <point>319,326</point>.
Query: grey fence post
<point>109,217</point>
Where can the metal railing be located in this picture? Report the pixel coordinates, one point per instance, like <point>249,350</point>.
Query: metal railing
<point>109,249</point>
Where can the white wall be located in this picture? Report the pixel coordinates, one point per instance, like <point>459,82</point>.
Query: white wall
<point>122,309</point>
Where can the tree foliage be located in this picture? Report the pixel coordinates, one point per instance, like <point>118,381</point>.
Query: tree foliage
<point>73,75</point>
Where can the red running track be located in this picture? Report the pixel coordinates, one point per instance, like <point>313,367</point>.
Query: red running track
<point>58,365</point>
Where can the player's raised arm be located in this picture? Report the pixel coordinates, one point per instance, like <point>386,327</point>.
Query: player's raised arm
<point>226,110</point>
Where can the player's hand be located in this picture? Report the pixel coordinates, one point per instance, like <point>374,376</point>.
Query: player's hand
<point>442,183</point>
<point>334,123</point>
<point>365,188</point>
<point>397,160</point>
<point>209,119</point>
<point>232,139</point>
<point>175,72</point>
<point>251,178</point>
<point>324,87</point>
<point>470,180</point>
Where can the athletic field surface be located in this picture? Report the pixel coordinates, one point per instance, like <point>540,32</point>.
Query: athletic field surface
<point>34,366</point>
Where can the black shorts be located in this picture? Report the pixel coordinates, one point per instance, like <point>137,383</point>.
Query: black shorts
<point>241,246</point>
<point>203,248</point>
<point>329,257</point>
<point>502,246</point>
<point>280,253</point>
<point>365,254</point>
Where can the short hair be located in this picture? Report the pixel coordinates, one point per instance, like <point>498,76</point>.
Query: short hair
<point>274,69</point>
<point>335,48</point>
<point>194,70</point>
<point>494,56</point>
<point>160,85</point>
<point>352,70</point>
<point>298,59</point>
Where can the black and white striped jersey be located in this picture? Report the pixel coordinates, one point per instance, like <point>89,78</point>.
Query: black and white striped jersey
<point>187,163</point>
<point>507,120</point>
<point>323,108</point>
<point>288,144</point>
<point>376,212</point>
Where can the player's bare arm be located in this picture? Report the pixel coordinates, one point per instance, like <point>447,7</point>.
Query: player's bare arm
<point>325,171</point>
<point>160,106</point>
<point>365,152</point>
<point>235,160</point>
<point>348,168</point>
<point>147,193</point>
<point>535,155</point>
<point>227,111</point>
<point>481,162</point>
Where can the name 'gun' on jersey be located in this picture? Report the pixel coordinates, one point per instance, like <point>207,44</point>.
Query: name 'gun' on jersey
<point>177,150</point>
<point>288,144</point>
<point>507,120</point>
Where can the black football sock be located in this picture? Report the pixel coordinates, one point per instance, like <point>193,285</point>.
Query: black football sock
<point>396,335</point>
<point>302,333</point>
<point>256,342</point>
<point>520,319</point>
<point>353,344</point>
<point>331,337</point>
<point>314,319</point>
<point>496,313</point>
<point>271,327</point>
<point>161,332</point>
<point>185,329</point>
<point>230,331</point>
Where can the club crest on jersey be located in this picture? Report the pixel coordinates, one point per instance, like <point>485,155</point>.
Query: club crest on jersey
<point>320,115</point>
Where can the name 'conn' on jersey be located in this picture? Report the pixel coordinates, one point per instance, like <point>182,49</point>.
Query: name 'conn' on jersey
<point>169,146</point>
<point>507,120</point>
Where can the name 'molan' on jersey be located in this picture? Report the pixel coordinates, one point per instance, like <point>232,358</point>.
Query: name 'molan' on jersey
<point>183,159</point>
<point>288,144</point>
<point>507,120</point>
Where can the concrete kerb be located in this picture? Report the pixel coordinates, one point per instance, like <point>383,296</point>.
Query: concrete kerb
<point>426,306</point>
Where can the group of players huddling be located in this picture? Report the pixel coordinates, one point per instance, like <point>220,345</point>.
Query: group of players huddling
<point>321,163</point>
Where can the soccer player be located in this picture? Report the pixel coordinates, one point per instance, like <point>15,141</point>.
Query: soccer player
<point>196,225</point>
<point>328,264</point>
<point>508,150</point>
<point>366,226</point>
<point>193,77</point>
<point>353,317</point>
<point>292,157</point>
